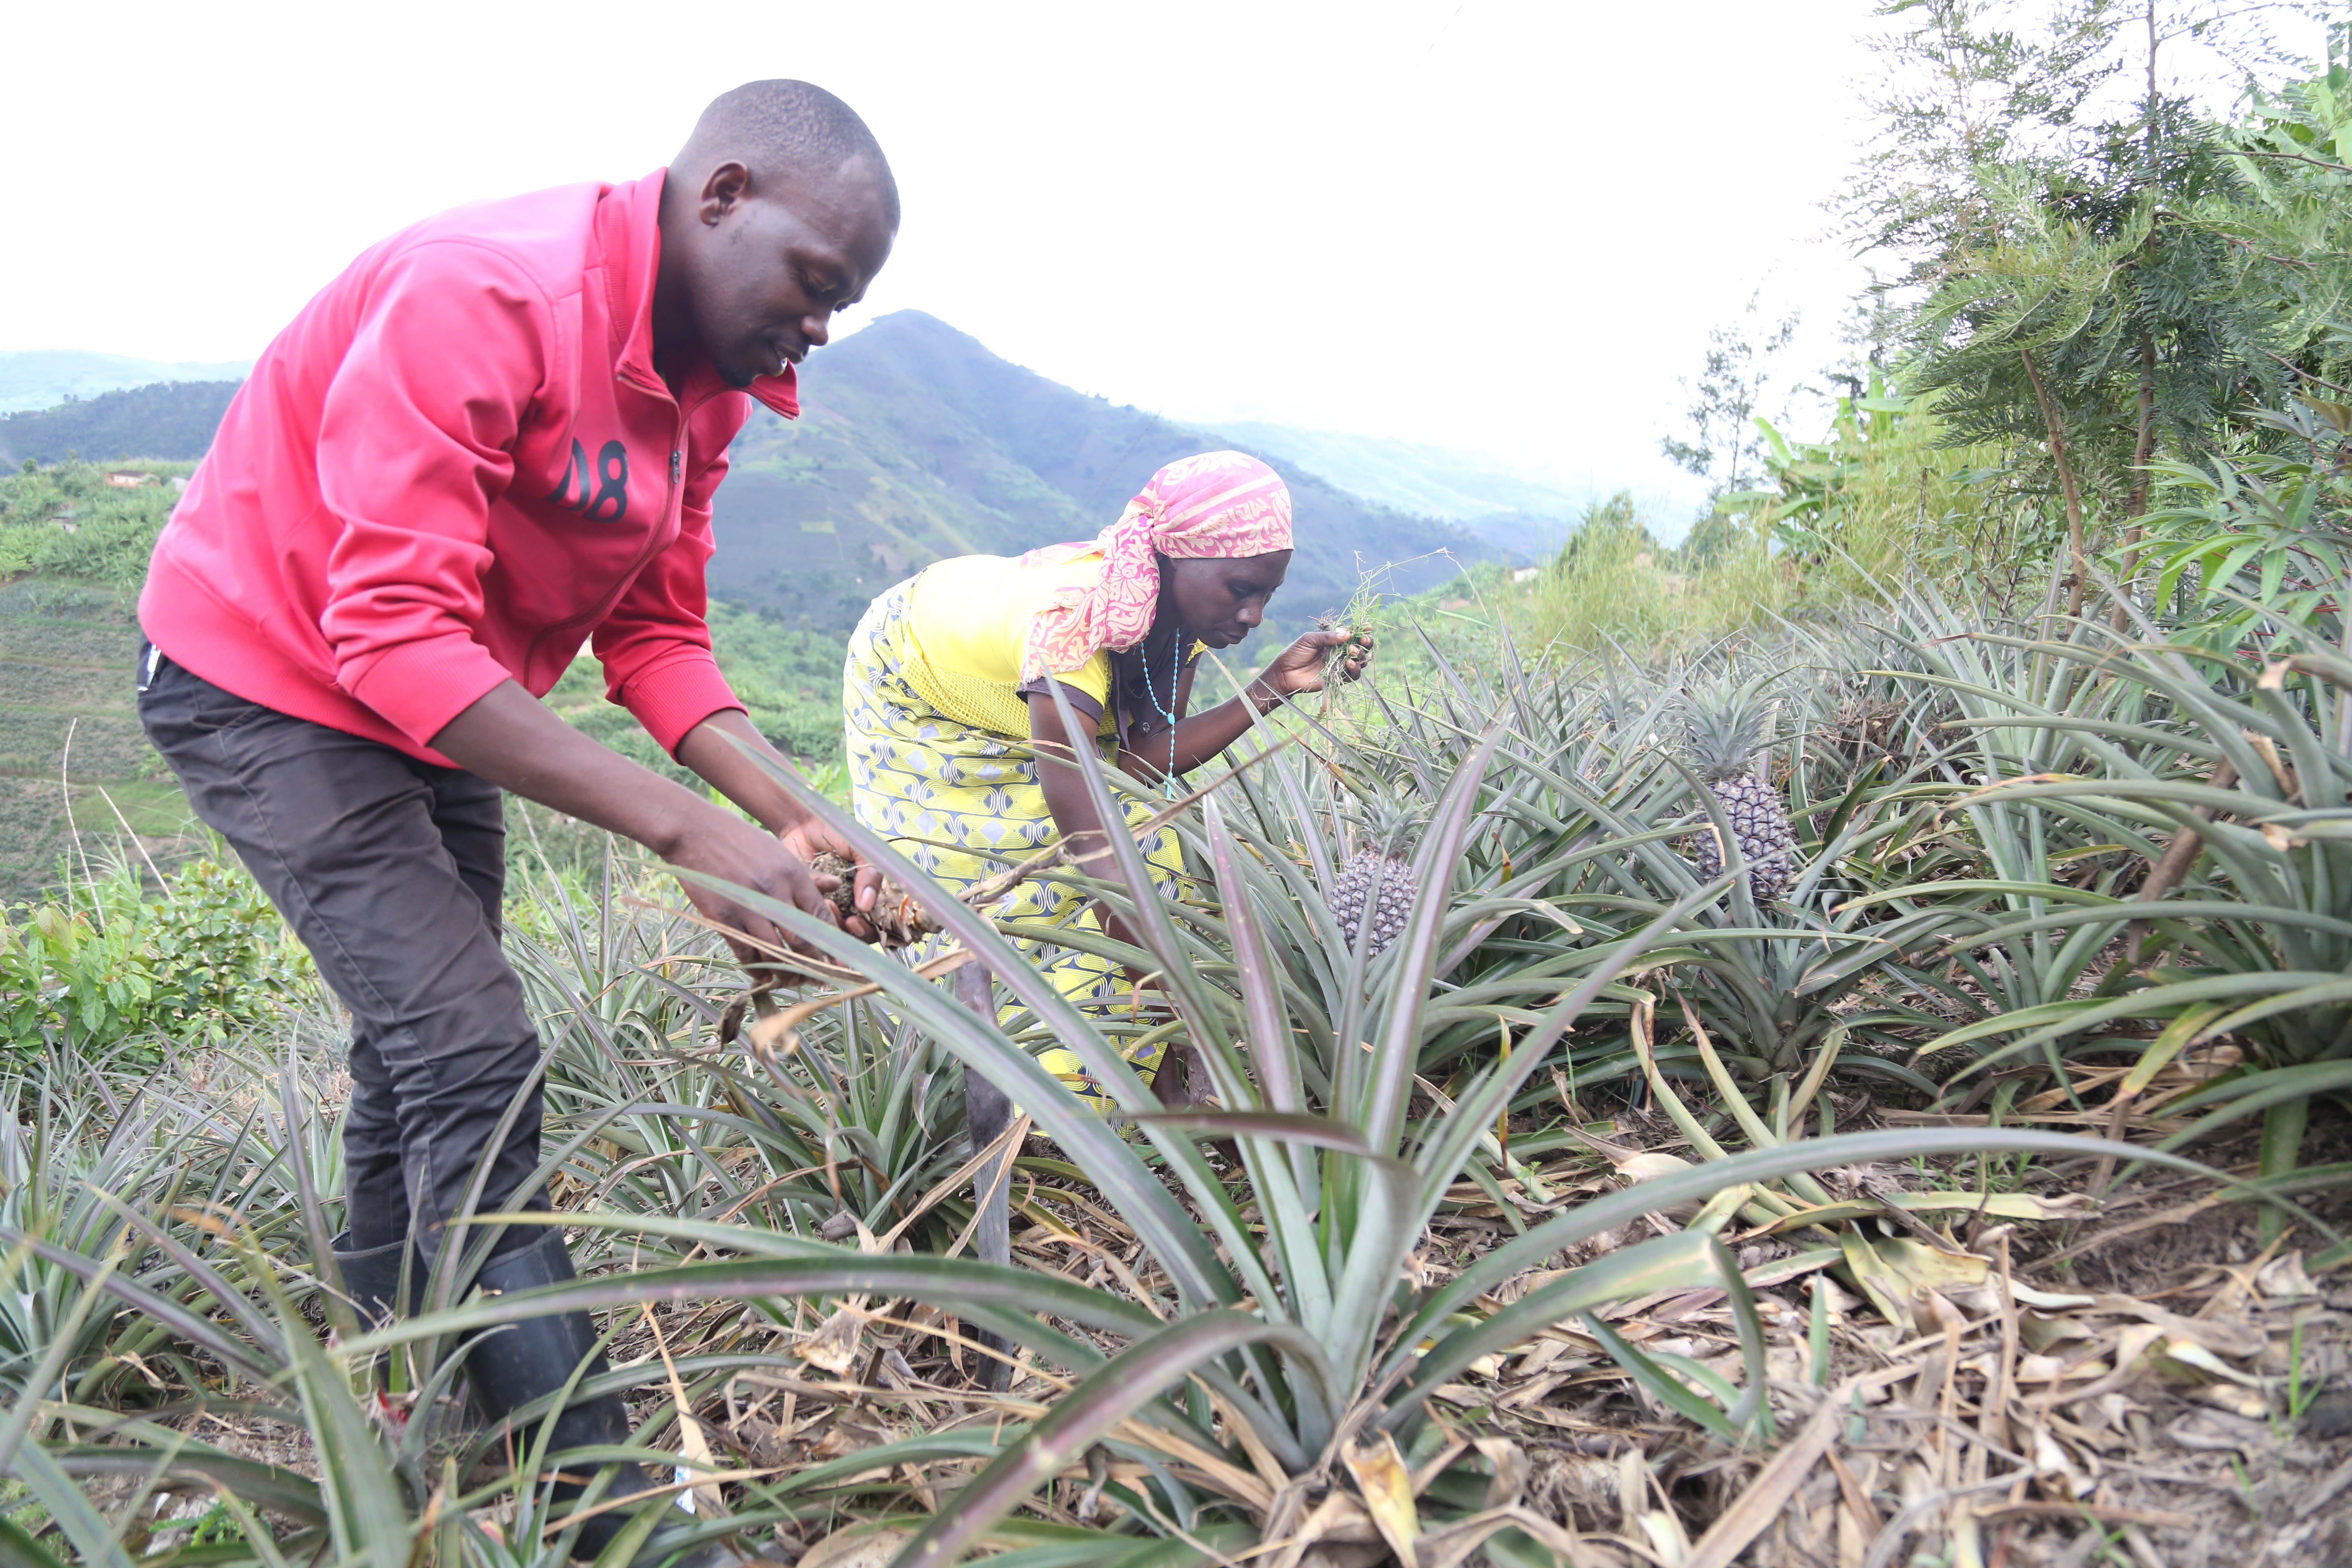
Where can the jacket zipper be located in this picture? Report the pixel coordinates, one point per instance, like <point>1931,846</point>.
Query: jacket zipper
<point>670,501</point>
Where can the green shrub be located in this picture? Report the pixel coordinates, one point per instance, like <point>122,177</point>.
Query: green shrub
<point>110,962</point>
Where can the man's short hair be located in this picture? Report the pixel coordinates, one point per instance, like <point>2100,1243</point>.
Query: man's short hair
<point>792,125</point>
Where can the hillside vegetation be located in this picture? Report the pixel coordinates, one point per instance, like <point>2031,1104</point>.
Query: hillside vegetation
<point>73,550</point>
<point>173,421</point>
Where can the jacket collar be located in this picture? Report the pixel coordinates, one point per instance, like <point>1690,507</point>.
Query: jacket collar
<point>628,235</point>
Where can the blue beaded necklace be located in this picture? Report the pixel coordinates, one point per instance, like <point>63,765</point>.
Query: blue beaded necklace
<point>1166,710</point>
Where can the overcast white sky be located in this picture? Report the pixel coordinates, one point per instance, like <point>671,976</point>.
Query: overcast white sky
<point>1493,225</point>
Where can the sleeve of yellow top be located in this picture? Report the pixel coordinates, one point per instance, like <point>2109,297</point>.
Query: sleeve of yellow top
<point>1093,677</point>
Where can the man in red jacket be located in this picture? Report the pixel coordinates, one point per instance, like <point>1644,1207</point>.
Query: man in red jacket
<point>492,440</point>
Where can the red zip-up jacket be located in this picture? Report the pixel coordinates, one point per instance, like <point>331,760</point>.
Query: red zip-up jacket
<point>457,466</point>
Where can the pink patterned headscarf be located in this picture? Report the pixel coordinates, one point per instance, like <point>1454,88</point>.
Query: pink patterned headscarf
<point>1219,505</point>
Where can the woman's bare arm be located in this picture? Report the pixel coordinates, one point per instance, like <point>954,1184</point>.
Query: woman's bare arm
<point>1300,668</point>
<point>1066,797</point>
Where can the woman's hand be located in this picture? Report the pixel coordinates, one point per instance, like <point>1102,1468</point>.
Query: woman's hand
<point>1308,665</point>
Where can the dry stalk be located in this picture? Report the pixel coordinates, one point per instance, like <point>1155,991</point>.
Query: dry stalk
<point>2167,873</point>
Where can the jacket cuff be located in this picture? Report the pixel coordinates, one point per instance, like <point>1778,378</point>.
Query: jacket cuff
<point>419,687</point>
<point>671,697</point>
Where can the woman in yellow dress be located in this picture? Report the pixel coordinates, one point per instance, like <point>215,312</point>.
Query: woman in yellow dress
<point>947,707</point>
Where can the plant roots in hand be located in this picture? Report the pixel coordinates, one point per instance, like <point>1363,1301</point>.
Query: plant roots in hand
<point>896,915</point>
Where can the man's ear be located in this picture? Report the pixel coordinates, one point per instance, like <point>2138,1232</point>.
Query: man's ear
<point>723,189</point>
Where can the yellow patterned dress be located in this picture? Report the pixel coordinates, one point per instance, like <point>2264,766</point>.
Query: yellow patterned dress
<point>938,744</point>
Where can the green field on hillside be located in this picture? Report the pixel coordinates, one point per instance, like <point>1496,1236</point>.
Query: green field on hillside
<point>73,762</point>
<point>77,780</point>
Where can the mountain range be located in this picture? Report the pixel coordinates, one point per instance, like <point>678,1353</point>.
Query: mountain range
<point>42,378</point>
<point>917,442</point>
<point>1484,495</point>
<point>169,419</point>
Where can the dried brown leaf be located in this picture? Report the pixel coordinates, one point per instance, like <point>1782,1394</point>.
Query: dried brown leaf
<point>860,1546</point>
<point>834,1346</point>
<point>1386,1486</point>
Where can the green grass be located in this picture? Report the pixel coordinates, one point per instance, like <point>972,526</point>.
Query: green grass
<point>69,734</point>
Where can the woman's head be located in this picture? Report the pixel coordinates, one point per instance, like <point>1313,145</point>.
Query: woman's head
<point>1221,522</point>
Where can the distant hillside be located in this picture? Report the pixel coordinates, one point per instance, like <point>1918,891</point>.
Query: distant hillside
<point>174,421</point>
<point>39,378</point>
<point>1480,493</point>
<point>73,550</point>
<point>918,443</point>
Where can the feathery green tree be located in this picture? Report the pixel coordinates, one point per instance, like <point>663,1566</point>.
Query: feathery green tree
<point>2084,301</point>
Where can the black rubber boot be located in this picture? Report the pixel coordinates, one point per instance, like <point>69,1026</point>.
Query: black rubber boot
<point>371,1279</point>
<point>535,1357</point>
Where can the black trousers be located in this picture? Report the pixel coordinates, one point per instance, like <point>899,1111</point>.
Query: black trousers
<point>391,870</point>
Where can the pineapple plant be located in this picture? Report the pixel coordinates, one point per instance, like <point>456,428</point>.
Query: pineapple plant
<point>898,920</point>
<point>1723,732</point>
<point>1335,657</point>
<point>1383,854</point>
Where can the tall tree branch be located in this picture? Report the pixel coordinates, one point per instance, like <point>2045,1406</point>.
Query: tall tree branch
<point>2143,448</point>
<point>2081,574</point>
<point>2293,158</point>
<point>2314,380</point>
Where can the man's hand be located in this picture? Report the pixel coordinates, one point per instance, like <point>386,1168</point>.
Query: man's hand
<point>1308,665</point>
<point>721,749</point>
<point>809,839</point>
<point>728,847</point>
<point>514,740</point>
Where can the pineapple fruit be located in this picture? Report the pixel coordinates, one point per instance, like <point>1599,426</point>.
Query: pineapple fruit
<point>1383,851</point>
<point>1722,733</point>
